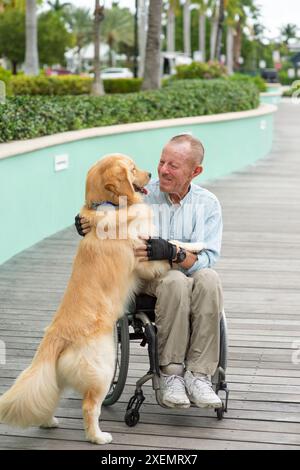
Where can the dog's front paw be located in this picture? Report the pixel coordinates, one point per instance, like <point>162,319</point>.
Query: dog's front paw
<point>101,438</point>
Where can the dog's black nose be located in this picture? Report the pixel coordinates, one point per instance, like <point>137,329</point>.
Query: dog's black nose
<point>149,174</point>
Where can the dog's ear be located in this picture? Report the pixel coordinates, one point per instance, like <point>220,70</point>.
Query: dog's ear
<point>120,185</point>
<point>110,187</point>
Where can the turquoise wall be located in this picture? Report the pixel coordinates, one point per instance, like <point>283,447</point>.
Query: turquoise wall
<point>269,98</point>
<point>36,201</point>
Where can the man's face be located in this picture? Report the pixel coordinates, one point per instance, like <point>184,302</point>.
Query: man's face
<point>176,169</point>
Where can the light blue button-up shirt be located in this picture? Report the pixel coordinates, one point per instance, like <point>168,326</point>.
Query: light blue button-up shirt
<point>197,219</point>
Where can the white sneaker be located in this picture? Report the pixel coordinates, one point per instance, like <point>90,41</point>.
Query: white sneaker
<point>200,391</point>
<point>173,394</point>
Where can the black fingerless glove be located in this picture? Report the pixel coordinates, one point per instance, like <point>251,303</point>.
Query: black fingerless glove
<point>78,225</point>
<point>158,248</point>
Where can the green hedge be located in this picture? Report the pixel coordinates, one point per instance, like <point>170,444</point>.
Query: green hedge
<point>69,85</point>
<point>196,66</point>
<point>122,85</point>
<point>257,80</point>
<point>205,70</point>
<point>25,117</point>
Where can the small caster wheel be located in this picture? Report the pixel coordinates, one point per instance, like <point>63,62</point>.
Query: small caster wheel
<point>132,417</point>
<point>220,412</point>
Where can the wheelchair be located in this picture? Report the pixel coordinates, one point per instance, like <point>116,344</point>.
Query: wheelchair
<point>141,318</point>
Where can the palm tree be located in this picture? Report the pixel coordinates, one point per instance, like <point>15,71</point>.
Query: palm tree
<point>289,31</point>
<point>57,6</point>
<point>31,53</point>
<point>173,6</point>
<point>97,88</point>
<point>187,27</point>
<point>221,16</point>
<point>203,6</point>
<point>117,26</point>
<point>142,34</point>
<point>152,59</point>
<point>214,28</point>
<point>247,10</point>
<point>233,12</point>
<point>81,24</point>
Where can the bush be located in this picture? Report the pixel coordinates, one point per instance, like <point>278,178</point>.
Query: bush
<point>122,85</point>
<point>69,85</point>
<point>206,70</point>
<point>42,85</point>
<point>256,80</point>
<point>5,76</point>
<point>284,78</point>
<point>25,117</point>
<point>294,90</point>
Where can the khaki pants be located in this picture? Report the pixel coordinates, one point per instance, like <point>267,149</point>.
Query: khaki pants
<point>187,317</point>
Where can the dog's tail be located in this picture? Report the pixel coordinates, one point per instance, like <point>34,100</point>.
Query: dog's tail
<point>34,396</point>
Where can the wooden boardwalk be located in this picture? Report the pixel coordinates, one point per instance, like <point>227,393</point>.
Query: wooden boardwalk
<point>260,269</point>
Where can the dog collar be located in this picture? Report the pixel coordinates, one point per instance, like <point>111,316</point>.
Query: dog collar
<point>95,205</point>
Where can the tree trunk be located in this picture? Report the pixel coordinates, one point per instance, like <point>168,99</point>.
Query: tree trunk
<point>229,49</point>
<point>97,87</point>
<point>237,47</point>
<point>152,59</point>
<point>202,36</point>
<point>187,28</point>
<point>171,30</point>
<point>14,67</point>
<point>31,54</point>
<point>142,34</point>
<point>213,36</point>
<point>220,30</point>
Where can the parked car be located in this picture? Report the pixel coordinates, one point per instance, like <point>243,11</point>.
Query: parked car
<point>116,72</point>
<point>270,75</point>
<point>54,72</point>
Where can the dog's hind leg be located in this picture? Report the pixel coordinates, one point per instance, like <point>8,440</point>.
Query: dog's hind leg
<point>52,423</point>
<point>91,408</point>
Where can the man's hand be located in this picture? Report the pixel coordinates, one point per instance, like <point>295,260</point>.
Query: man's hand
<point>155,249</point>
<point>82,225</point>
<point>158,248</point>
<point>141,251</point>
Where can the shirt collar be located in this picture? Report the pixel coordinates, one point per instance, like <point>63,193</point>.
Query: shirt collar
<point>182,201</point>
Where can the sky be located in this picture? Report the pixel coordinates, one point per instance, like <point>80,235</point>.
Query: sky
<point>275,13</point>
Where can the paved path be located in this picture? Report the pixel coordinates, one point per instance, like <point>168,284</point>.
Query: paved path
<point>260,270</point>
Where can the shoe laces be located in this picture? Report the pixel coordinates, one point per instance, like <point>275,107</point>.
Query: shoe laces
<point>175,381</point>
<point>201,381</point>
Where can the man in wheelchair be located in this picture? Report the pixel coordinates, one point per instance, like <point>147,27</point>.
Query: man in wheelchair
<point>189,297</point>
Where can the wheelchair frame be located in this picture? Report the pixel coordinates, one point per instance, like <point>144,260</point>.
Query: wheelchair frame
<point>141,318</point>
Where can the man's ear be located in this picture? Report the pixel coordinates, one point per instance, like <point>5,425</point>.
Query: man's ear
<point>197,171</point>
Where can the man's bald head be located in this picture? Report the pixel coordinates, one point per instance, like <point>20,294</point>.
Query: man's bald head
<point>193,145</point>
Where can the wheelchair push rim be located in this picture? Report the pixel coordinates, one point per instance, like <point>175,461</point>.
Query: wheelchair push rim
<point>121,339</point>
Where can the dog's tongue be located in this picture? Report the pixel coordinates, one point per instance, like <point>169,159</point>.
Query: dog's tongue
<point>144,191</point>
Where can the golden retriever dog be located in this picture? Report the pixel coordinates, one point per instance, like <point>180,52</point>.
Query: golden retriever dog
<point>78,347</point>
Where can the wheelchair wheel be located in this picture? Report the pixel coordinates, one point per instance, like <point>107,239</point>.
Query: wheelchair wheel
<point>121,335</point>
<point>219,377</point>
<point>223,343</point>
